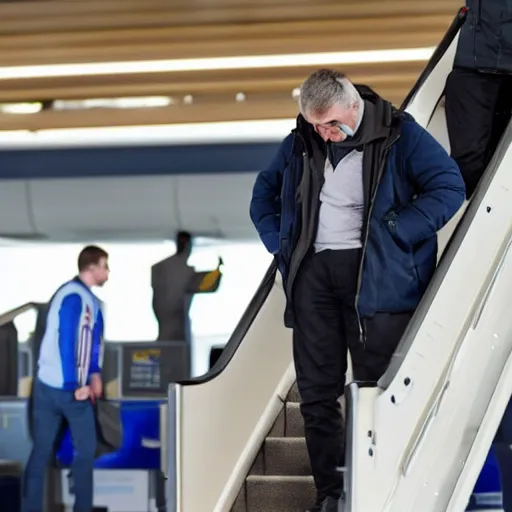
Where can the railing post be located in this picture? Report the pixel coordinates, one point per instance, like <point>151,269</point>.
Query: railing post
<point>173,449</point>
<point>351,396</point>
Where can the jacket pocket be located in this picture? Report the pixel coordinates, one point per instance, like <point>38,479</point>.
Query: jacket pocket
<point>402,248</point>
<point>391,275</point>
<point>390,222</point>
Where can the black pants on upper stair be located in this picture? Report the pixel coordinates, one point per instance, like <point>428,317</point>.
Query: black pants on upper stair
<point>326,328</point>
<point>478,107</point>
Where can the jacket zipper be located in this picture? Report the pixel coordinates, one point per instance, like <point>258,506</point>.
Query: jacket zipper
<point>362,334</point>
<point>300,257</point>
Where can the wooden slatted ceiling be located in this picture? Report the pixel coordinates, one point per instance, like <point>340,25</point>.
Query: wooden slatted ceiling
<point>73,31</point>
<point>112,30</point>
<point>217,111</point>
<point>264,81</point>
<point>225,41</point>
<point>268,96</point>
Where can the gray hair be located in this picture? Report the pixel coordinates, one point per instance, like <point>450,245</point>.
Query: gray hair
<point>326,88</point>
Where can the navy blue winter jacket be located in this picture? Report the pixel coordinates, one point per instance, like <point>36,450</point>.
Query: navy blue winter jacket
<point>420,188</point>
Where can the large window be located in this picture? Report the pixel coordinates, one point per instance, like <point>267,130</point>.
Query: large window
<point>32,272</point>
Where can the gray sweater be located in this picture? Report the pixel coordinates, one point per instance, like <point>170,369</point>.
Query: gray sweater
<point>340,218</point>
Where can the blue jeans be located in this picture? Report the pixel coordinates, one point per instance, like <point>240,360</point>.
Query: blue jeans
<point>503,452</point>
<point>50,407</point>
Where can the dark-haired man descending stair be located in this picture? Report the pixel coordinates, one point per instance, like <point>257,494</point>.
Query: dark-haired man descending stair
<point>350,207</point>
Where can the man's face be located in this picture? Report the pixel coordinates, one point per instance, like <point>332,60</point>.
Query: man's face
<point>101,272</point>
<point>327,123</point>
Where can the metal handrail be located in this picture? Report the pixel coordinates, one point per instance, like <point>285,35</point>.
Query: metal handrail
<point>9,316</point>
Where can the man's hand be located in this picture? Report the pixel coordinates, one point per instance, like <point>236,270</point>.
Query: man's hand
<point>96,385</point>
<point>83,393</point>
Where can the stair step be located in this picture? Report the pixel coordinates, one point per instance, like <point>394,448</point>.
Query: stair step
<point>286,456</point>
<point>294,424</point>
<point>278,428</point>
<point>258,466</point>
<point>289,423</point>
<point>293,395</point>
<point>279,493</point>
<point>239,505</point>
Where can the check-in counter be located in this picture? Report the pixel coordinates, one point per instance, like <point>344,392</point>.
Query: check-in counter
<point>127,480</point>
<point>136,378</point>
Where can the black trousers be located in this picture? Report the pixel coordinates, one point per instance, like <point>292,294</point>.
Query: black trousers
<point>478,107</point>
<point>326,328</point>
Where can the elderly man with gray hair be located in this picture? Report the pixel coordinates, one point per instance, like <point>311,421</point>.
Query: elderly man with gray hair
<point>350,207</point>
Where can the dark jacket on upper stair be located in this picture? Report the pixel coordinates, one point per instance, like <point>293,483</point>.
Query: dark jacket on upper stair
<point>411,189</point>
<point>485,40</point>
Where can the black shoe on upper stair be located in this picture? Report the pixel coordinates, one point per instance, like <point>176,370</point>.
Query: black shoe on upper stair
<point>328,505</point>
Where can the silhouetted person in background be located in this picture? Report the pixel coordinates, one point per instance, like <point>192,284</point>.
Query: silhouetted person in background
<point>174,284</point>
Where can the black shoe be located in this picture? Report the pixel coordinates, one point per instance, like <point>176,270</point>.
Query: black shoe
<point>326,505</point>
<point>330,505</point>
<point>317,507</point>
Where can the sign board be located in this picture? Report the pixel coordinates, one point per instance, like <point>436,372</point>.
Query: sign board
<point>145,369</point>
<point>148,368</point>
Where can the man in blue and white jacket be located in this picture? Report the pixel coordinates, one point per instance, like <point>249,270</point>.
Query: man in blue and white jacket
<point>350,207</point>
<point>68,380</point>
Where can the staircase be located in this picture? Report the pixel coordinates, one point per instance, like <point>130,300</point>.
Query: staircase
<point>280,479</point>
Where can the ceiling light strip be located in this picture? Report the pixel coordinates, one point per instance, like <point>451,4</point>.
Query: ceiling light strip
<point>217,63</point>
